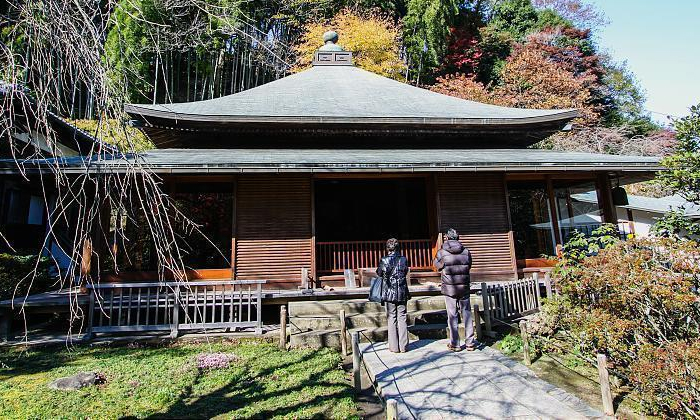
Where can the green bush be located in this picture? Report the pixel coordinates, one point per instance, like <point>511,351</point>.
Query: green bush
<point>511,344</point>
<point>17,275</point>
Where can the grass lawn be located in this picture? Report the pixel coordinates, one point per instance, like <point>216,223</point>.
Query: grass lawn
<point>165,381</point>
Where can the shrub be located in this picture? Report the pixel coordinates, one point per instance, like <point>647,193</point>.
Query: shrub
<point>16,275</point>
<point>639,303</point>
<point>511,344</point>
<point>666,378</point>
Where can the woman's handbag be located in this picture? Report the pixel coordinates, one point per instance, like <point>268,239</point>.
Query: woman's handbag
<point>376,286</point>
<point>375,289</point>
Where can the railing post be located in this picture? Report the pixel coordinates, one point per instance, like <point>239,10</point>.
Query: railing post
<point>548,284</point>
<point>357,380</point>
<point>392,409</point>
<point>526,343</point>
<point>258,310</point>
<point>305,278</point>
<point>283,328</point>
<point>486,300</point>
<point>605,392</point>
<point>477,322</point>
<point>91,315</point>
<point>174,331</point>
<point>349,275</point>
<point>343,333</point>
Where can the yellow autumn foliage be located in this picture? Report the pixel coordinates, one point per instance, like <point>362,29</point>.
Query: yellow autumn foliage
<point>373,39</point>
<point>111,131</point>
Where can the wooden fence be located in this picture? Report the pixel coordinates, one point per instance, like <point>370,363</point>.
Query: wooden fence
<point>335,257</point>
<point>175,306</point>
<point>512,300</point>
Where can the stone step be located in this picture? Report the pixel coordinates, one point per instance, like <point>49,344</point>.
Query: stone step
<point>332,307</point>
<point>359,306</point>
<point>312,323</point>
<point>377,319</point>
<point>331,338</point>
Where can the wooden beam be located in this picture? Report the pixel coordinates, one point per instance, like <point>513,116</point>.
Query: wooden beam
<point>605,201</point>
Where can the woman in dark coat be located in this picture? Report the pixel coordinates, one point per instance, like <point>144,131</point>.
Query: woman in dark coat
<point>393,269</point>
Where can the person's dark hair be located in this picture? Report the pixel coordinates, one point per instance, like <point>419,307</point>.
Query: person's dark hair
<point>392,245</point>
<point>452,234</point>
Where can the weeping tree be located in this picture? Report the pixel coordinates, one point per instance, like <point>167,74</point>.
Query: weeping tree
<point>85,59</point>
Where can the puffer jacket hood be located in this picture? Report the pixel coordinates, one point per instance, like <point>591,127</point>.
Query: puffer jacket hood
<point>454,262</point>
<point>453,247</point>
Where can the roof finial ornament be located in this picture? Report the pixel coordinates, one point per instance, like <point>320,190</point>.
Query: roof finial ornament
<point>329,39</point>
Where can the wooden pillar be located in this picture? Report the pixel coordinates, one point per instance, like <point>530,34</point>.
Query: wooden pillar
<point>392,409</point>
<point>357,380</point>
<point>477,322</point>
<point>431,198</point>
<point>553,214</point>
<point>526,343</point>
<point>343,333</point>
<point>605,201</point>
<point>313,230</point>
<point>511,235</point>
<point>283,328</point>
<point>234,226</point>
<point>604,378</point>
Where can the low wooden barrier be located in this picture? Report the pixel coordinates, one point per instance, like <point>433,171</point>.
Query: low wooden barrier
<point>175,306</point>
<point>511,300</point>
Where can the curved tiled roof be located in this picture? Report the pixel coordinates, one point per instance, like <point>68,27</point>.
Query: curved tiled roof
<point>342,94</point>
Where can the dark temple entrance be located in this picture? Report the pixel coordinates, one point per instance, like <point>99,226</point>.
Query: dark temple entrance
<point>355,217</point>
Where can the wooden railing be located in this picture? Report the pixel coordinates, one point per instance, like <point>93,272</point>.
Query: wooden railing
<point>175,306</point>
<point>510,300</point>
<point>334,257</point>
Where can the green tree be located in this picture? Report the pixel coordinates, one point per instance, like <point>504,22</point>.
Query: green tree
<point>626,100</point>
<point>516,17</point>
<point>683,174</point>
<point>426,30</point>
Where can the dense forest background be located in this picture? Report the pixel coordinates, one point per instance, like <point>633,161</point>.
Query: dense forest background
<point>520,53</point>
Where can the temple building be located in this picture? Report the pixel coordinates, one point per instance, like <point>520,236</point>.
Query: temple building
<point>313,172</point>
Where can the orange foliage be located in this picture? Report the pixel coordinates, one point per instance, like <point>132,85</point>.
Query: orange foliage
<point>462,86</point>
<point>530,80</point>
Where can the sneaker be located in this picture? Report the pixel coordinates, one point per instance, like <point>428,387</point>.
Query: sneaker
<point>471,347</point>
<point>450,347</point>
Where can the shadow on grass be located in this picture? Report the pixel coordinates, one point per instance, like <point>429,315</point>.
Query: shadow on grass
<point>250,389</point>
<point>264,383</point>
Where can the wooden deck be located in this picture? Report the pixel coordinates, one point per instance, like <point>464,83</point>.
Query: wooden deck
<point>430,382</point>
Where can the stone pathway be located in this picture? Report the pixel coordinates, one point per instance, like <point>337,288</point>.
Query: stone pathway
<point>430,382</point>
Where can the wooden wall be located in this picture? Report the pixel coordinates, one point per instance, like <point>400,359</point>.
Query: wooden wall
<point>273,233</point>
<point>475,204</point>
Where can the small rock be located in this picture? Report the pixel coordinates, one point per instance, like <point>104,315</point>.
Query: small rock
<point>77,381</point>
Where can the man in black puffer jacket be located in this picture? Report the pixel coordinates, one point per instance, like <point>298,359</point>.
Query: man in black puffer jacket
<point>454,262</point>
